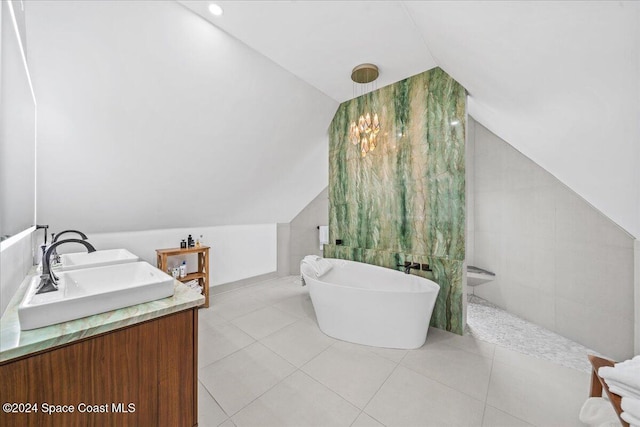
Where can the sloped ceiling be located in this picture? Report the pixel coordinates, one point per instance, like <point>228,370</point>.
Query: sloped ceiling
<point>560,80</point>
<point>321,41</point>
<point>149,117</point>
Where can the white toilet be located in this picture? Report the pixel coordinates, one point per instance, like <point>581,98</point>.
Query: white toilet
<point>477,276</point>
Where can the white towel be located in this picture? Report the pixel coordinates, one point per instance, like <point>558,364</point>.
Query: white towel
<point>319,265</point>
<point>631,406</point>
<point>627,373</point>
<point>323,235</point>
<point>623,390</point>
<point>598,412</point>
<point>631,362</point>
<point>633,421</point>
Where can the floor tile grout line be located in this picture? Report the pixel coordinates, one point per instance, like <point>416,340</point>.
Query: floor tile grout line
<point>265,392</point>
<point>233,352</point>
<point>356,418</point>
<point>447,385</point>
<point>274,301</point>
<point>242,315</point>
<point>297,318</point>
<point>296,369</point>
<point>443,384</point>
<point>327,385</point>
<point>455,347</point>
<point>213,398</point>
<point>261,338</point>
<point>278,382</point>
<point>486,395</point>
<point>281,329</point>
<point>378,390</point>
<point>365,348</point>
<point>316,356</point>
<point>288,313</point>
<point>330,389</point>
<point>250,286</point>
<point>510,414</point>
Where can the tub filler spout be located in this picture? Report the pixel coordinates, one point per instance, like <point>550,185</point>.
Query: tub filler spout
<point>408,266</point>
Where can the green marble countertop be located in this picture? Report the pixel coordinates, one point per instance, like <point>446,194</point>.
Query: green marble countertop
<point>15,343</point>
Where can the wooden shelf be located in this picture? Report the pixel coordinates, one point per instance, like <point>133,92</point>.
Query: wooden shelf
<point>180,251</point>
<point>192,276</point>
<point>202,273</point>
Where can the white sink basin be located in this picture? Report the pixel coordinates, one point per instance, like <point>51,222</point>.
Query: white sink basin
<point>91,291</point>
<point>78,260</point>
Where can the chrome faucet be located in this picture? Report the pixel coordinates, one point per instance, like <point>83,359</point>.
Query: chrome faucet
<point>409,265</point>
<point>55,237</point>
<point>48,280</point>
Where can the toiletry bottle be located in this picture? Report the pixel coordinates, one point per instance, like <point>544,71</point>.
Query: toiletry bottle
<point>183,244</point>
<point>190,241</point>
<point>183,269</point>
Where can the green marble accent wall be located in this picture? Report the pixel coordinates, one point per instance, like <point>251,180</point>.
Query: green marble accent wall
<point>405,201</point>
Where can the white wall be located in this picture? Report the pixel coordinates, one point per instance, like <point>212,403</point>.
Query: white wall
<point>284,249</point>
<point>237,252</point>
<point>560,81</point>
<point>152,118</point>
<point>304,233</point>
<point>637,296</point>
<point>470,192</point>
<point>558,261</point>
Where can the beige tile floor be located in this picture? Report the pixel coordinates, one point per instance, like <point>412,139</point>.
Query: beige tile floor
<point>264,362</point>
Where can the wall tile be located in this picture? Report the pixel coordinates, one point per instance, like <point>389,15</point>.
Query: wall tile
<point>609,333</point>
<point>559,262</point>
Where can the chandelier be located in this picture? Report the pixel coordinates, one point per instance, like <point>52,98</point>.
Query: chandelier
<point>365,131</point>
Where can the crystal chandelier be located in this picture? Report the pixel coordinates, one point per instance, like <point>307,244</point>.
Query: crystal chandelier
<point>365,130</point>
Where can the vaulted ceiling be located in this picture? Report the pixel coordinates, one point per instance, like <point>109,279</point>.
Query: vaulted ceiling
<point>142,103</point>
<point>151,118</point>
<point>557,80</point>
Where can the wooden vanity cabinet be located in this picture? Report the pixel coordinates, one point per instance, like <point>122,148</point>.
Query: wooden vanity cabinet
<point>139,375</point>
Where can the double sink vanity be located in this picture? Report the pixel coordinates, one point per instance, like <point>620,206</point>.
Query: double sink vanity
<point>114,344</point>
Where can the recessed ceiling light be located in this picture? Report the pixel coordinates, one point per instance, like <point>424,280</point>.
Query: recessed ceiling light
<point>215,9</point>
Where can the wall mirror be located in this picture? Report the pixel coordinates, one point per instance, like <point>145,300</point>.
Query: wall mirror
<point>17,126</point>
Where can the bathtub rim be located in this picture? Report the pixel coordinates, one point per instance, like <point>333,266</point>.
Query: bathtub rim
<point>433,286</point>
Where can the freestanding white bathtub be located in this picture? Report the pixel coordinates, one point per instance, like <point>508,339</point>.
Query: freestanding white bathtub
<point>371,305</point>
